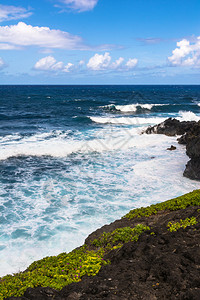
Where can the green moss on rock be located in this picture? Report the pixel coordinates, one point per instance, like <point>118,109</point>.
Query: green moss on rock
<point>54,271</point>
<point>174,226</point>
<point>59,271</point>
<point>190,199</point>
<point>120,236</point>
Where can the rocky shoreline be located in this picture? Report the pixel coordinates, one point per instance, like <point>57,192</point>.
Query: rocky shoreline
<point>190,136</point>
<point>150,253</point>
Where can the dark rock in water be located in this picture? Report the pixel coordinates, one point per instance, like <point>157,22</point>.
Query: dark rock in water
<point>171,127</point>
<point>192,169</point>
<point>171,148</point>
<point>190,136</point>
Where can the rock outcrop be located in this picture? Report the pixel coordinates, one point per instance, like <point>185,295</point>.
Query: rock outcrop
<point>190,136</point>
<point>161,265</point>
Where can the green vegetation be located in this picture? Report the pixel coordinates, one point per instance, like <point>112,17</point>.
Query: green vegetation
<point>55,272</point>
<point>120,236</point>
<point>182,224</point>
<point>190,199</point>
<point>59,271</point>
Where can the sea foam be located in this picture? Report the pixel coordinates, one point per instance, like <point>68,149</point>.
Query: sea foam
<point>131,107</point>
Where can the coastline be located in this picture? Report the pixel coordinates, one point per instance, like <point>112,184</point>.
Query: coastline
<point>178,218</point>
<point>189,132</point>
<point>108,254</point>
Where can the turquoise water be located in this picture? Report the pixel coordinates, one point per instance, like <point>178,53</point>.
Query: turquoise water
<point>73,158</point>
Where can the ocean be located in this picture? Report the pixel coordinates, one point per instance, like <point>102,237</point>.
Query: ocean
<point>73,158</point>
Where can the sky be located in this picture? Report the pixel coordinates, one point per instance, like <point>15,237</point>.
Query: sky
<point>99,42</point>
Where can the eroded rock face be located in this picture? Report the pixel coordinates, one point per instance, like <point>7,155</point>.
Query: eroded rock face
<point>190,136</point>
<point>192,169</point>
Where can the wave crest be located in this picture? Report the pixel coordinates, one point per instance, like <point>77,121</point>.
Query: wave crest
<point>131,107</point>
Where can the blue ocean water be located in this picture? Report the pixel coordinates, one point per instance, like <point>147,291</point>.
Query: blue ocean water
<point>73,158</point>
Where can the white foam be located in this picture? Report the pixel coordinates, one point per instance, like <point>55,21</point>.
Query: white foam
<point>132,107</point>
<point>188,116</point>
<point>127,120</point>
<point>99,190</point>
<point>60,146</point>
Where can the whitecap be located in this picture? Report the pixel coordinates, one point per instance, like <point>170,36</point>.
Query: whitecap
<point>188,116</point>
<point>131,107</point>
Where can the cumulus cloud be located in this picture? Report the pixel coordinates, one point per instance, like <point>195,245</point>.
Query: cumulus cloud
<point>2,64</point>
<point>80,5</point>
<point>68,67</point>
<point>49,64</point>
<point>118,63</point>
<point>186,54</point>
<point>100,62</point>
<point>8,12</point>
<point>22,35</point>
<point>131,63</point>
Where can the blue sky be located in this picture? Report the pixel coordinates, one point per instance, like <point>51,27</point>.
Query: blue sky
<point>99,42</point>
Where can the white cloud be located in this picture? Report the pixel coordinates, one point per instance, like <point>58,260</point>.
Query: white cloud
<point>8,12</point>
<point>131,63</point>
<point>2,64</point>
<point>48,63</point>
<point>21,35</point>
<point>80,5</point>
<point>186,53</point>
<point>5,46</point>
<point>103,62</point>
<point>99,62</point>
<point>68,67</point>
<point>117,63</point>
<point>81,62</point>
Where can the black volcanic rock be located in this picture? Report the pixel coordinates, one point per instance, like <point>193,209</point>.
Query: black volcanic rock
<point>192,169</point>
<point>171,127</point>
<point>190,132</point>
<point>161,265</point>
<point>171,148</point>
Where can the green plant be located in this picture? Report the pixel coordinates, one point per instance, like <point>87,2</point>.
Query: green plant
<point>120,236</point>
<point>55,272</point>
<point>182,224</point>
<point>190,199</point>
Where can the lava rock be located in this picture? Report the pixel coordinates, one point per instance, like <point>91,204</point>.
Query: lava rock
<point>171,148</point>
<point>171,127</point>
<point>190,136</point>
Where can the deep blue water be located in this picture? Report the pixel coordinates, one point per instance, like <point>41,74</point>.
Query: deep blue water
<point>73,158</point>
